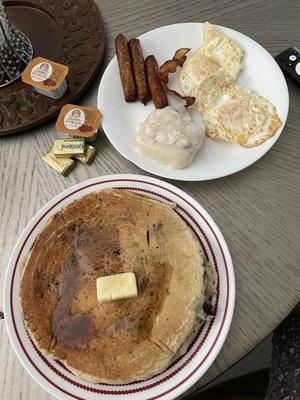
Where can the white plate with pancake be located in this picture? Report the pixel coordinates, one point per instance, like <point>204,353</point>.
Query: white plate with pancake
<point>187,369</point>
<point>215,158</point>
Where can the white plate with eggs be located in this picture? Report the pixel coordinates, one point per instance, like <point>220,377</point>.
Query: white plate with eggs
<point>215,158</point>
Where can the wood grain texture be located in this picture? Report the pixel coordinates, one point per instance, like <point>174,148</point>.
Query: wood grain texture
<point>256,209</point>
<point>77,41</point>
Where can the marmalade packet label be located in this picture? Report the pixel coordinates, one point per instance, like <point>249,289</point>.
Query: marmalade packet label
<point>45,74</point>
<point>78,121</point>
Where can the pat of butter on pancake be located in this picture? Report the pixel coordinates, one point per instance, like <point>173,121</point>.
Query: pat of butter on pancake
<point>116,287</point>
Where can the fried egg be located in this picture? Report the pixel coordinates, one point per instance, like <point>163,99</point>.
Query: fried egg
<point>200,77</point>
<point>216,63</point>
<point>242,116</point>
<point>231,112</point>
<point>222,49</point>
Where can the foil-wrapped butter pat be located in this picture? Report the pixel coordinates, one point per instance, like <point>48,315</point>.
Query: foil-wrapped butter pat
<point>116,287</point>
<point>61,165</point>
<point>69,147</point>
<point>88,156</point>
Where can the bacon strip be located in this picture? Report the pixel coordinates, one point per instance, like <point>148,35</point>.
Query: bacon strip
<point>189,100</point>
<point>170,66</point>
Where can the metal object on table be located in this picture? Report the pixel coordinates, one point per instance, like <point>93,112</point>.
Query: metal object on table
<point>15,50</point>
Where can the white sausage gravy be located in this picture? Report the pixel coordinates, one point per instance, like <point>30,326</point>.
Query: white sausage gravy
<point>171,136</point>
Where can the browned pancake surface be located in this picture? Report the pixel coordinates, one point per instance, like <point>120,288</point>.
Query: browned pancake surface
<point>105,233</point>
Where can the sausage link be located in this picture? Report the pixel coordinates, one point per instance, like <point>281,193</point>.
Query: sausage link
<point>138,67</point>
<point>158,94</point>
<point>125,68</point>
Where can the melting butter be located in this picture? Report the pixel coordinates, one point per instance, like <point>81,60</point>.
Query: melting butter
<point>116,287</point>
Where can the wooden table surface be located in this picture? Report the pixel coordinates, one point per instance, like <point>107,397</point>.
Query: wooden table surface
<point>256,209</point>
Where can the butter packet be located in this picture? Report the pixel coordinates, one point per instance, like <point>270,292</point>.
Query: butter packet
<point>88,156</point>
<point>78,121</point>
<point>47,77</point>
<point>69,147</point>
<point>61,165</point>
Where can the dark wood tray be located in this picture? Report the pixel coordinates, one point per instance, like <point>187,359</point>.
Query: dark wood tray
<point>67,31</point>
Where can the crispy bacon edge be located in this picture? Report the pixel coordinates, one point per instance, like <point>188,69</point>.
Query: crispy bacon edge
<point>170,66</point>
